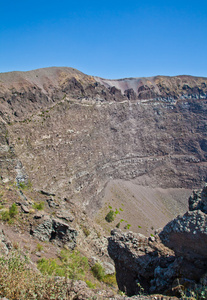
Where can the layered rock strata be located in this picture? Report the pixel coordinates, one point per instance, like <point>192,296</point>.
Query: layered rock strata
<point>70,134</point>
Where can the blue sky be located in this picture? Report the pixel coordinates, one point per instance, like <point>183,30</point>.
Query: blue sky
<point>110,39</point>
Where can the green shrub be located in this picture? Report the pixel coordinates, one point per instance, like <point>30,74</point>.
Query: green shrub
<point>127,226</point>
<point>13,211</point>
<point>110,279</point>
<point>74,264</point>
<point>110,216</point>
<point>71,264</point>
<point>116,212</point>
<point>118,225</point>
<point>50,267</point>
<point>98,271</point>
<point>90,284</point>
<point>8,215</point>
<point>38,206</point>
<point>5,215</point>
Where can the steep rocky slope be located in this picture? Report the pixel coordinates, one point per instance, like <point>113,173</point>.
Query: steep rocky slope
<point>173,260</point>
<point>70,134</point>
<point>77,145</point>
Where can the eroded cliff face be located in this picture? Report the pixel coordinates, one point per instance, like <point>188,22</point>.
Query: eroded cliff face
<point>70,134</point>
<point>167,262</point>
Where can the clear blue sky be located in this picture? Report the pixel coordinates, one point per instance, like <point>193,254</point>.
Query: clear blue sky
<point>110,39</point>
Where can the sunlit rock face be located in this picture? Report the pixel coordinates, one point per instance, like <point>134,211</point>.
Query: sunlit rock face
<point>72,133</point>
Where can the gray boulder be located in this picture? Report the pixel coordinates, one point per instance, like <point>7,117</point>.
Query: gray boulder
<point>5,243</point>
<point>57,231</point>
<point>198,200</point>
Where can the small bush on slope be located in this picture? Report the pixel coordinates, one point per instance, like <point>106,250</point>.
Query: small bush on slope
<point>13,211</point>
<point>98,271</point>
<point>39,206</point>
<point>8,215</point>
<point>110,216</point>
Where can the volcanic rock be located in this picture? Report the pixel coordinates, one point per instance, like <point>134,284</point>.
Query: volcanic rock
<point>5,243</point>
<point>198,200</point>
<point>57,231</point>
<point>177,254</point>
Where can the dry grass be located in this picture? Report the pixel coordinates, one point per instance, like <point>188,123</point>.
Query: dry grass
<point>18,281</point>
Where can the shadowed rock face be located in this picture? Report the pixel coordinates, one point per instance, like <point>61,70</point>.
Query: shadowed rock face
<point>198,200</point>
<point>55,230</point>
<point>176,256</point>
<point>72,133</point>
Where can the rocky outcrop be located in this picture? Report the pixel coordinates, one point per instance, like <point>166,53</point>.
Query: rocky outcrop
<point>5,243</point>
<point>57,231</point>
<point>167,89</point>
<point>176,256</point>
<point>198,200</point>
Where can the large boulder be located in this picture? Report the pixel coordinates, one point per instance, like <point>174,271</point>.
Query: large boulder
<point>176,256</point>
<point>55,230</point>
<point>139,261</point>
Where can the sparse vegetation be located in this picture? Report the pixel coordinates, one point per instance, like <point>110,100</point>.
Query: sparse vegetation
<point>9,214</point>
<point>118,225</point>
<point>13,211</point>
<point>110,279</point>
<point>90,284</point>
<point>198,293</point>
<point>39,247</point>
<point>5,215</point>
<point>98,271</point>
<point>86,231</point>
<point>50,267</point>
<point>18,281</point>
<point>141,289</point>
<point>71,264</point>
<point>38,205</point>
<point>110,217</point>
<point>24,185</point>
<point>127,226</point>
<point>116,212</point>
